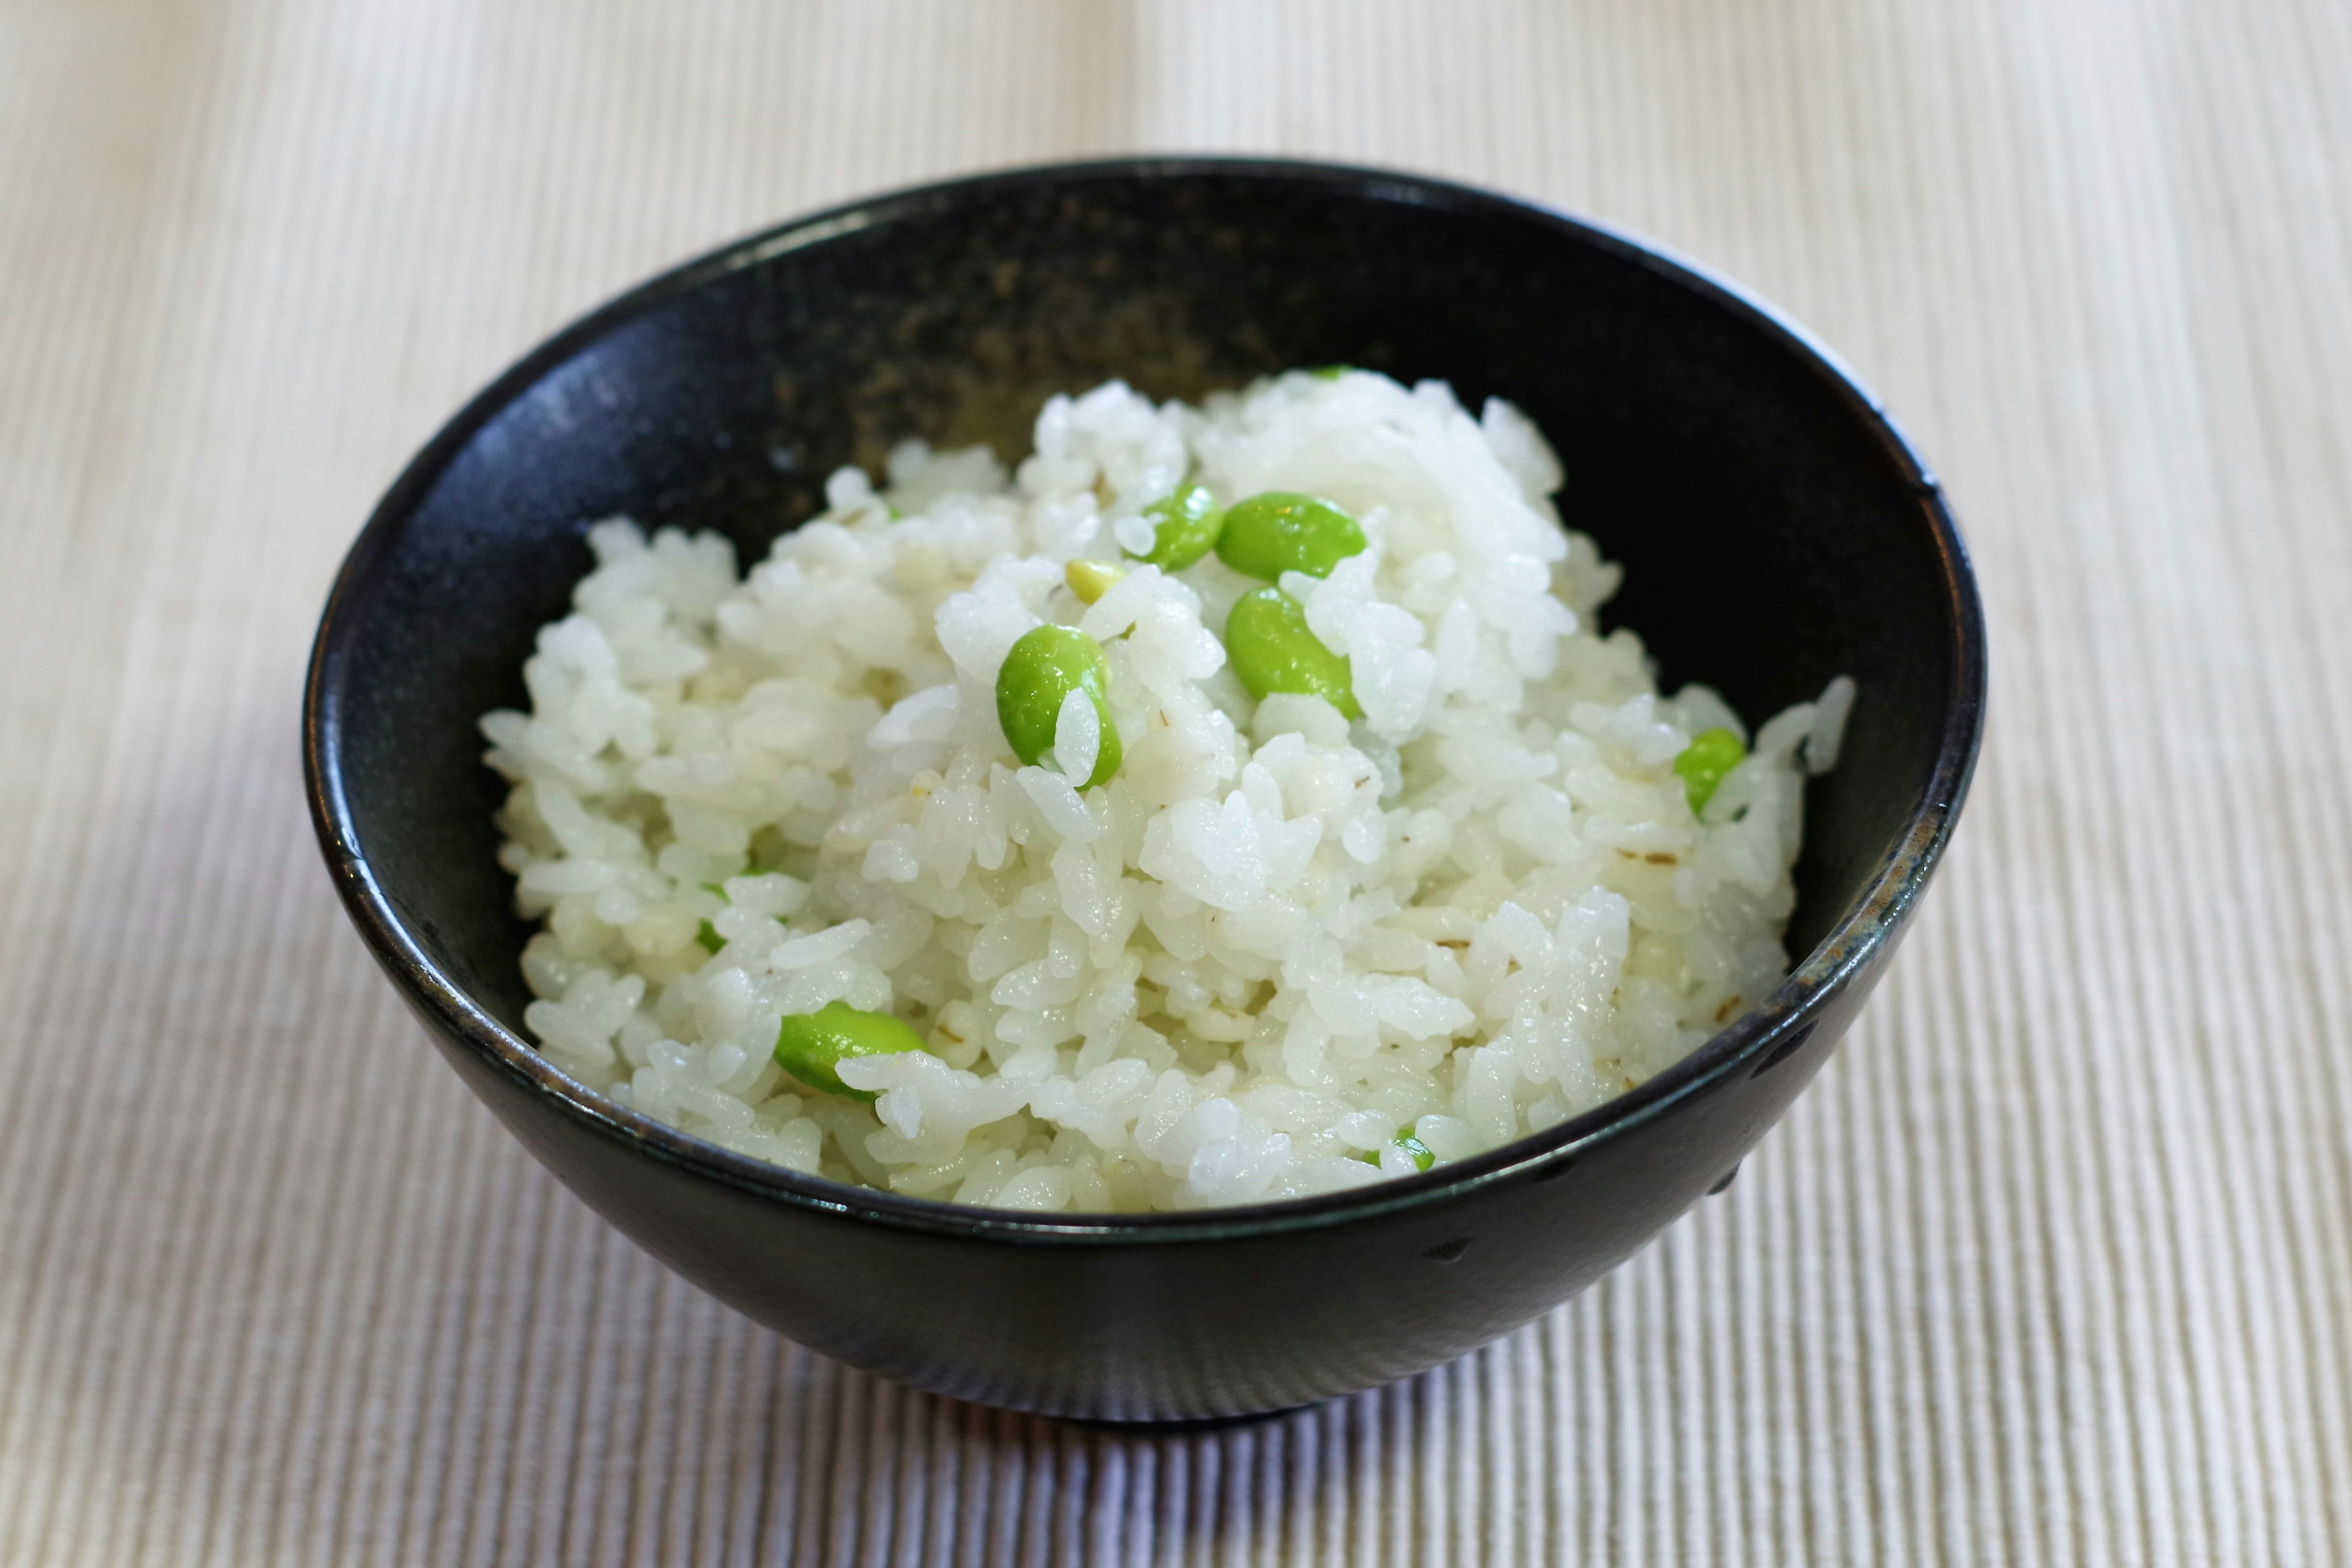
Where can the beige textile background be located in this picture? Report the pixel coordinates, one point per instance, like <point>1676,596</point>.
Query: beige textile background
<point>2055,1263</point>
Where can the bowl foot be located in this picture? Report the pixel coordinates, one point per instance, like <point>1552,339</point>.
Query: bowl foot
<point>1194,1425</point>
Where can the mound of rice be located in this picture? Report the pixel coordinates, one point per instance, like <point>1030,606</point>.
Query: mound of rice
<point>1238,969</point>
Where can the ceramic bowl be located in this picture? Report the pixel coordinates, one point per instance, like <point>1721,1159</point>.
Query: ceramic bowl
<point>1776,530</point>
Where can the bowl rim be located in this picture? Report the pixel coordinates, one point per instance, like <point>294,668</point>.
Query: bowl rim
<point>1776,1025</point>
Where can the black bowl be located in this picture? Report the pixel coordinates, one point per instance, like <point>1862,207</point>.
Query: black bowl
<point>1775,527</point>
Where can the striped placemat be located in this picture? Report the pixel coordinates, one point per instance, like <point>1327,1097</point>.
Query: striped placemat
<point>2052,1266</point>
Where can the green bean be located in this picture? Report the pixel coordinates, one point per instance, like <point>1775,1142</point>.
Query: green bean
<point>1269,534</point>
<point>809,1045</point>
<point>1711,754</point>
<point>1184,525</point>
<point>1090,580</point>
<point>1271,650</point>
<point>1038,674</point>
<point>1406,1140</point>
<point>708,935</point>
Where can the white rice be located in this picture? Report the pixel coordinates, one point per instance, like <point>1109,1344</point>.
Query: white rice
<point>1236,971</point>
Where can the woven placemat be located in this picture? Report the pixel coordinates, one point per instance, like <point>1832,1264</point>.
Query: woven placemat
<point>2052,1264</point>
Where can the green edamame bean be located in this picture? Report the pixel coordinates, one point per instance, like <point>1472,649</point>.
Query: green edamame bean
<point>1269,534</point>
<point>708,935</point>
<point>809,1045</point>
<point>1711,754</point>
<point>1422,1159</point>
<point>1267,638</point>
<point>1090,580</point>
<point>1041,670</point>
<point>1184,526</point>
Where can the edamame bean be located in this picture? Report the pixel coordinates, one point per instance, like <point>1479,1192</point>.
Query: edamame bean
<point>1043,668</point>
<point>809,1045</point>
<point>1267,639</point>
<point>1711,754</point>
<point>1184,525</point>
<point>1090,580</point>
<point>1422,1159</point>
<point>1269,534</point>
<point>708,935</point>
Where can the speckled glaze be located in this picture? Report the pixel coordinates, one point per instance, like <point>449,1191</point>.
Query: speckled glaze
<point>1776,530</point>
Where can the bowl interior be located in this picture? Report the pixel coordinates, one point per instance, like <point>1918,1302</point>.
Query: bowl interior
<point>1772,536</point>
